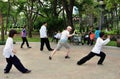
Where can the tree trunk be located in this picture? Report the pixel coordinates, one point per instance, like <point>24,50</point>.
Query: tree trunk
<point>30,20</point>
<point>118,42</point>
<point>30,28</point>
<point>64,18</point>
<point>8,12</point>
<point>2,27</point>
<point>69,9</point>
<point>55,8</point>
<point>91,20</point>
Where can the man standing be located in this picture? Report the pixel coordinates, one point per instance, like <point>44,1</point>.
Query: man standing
<point>44,37</point>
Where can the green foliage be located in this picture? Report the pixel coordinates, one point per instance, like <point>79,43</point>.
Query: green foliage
<point>111,32</point>
<point>112,43</point>
<point>111,3</point>
<point>2,42</point>
<point>54,24</point>
<point>3,7</point>
<point>46,10</point>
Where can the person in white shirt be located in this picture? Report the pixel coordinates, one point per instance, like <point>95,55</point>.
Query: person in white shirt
<point>44,38</point>
<point>11,58</point>
<point>57,36</point>
<point>97,50</point>
<point>63,42</point>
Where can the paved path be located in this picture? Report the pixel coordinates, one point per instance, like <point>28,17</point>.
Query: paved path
<point>60,68</point>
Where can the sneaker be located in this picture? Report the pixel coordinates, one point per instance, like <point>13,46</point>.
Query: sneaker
<point>5,72</point>
<point>41,50</point>
<point>100,64</point>
<point>50,58</point>
<point>28,71</point>
<point>51,49</point>
<point>29,47</point>
<point>78,63</point>
<point>67,57</point>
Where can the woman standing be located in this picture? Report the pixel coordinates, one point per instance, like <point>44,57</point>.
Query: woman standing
<point>24,39</point>
<point>11,58</point>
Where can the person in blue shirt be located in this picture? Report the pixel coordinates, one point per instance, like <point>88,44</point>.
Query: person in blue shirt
<point>97,33</point>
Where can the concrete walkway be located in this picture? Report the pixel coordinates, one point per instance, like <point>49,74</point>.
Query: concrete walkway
<point>60,68</point>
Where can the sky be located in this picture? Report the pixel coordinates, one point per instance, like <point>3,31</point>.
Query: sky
<point>75,10</point>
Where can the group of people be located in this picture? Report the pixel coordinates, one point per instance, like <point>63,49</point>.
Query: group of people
<point>12,59</point>
<point>91,36</point>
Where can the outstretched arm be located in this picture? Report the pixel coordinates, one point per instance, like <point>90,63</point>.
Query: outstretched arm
<point>107,40</point>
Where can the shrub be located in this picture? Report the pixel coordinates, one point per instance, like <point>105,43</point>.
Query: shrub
<point>2,42</point>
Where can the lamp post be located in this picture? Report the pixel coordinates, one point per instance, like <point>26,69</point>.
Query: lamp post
<point>101,14</point>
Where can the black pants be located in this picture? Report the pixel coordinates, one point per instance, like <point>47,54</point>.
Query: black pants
<point>45,41</point>
<point>102,56</point>
<point>16,62</point>
<point>91,41</point>
<point>55,39</point>
<point>24,39</point>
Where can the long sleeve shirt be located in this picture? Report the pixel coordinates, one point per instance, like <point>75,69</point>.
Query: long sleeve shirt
<point>98,46</point>
<point>7,51</point>
<point>43,32</point>
<point>24,33</point>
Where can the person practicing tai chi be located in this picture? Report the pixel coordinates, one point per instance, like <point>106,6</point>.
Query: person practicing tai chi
<point>96,51</point>
<point>44,38</point>
<point>11,58</point>
<point>63,42</point>
<point>24,37</point>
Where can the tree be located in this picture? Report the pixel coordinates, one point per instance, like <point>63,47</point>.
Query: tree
<point>112,7</point>
<point>2,13</point>
<point>8,12</point>
<point>2,27</point>
<point>30,8</point>
<point>87,13</point>
<point>68,7</point>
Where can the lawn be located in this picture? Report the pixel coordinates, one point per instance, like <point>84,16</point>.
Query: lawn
<point>36,38</point>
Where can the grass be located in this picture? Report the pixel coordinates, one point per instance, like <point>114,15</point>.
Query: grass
<point>17,38</point>
<point>36,38</point>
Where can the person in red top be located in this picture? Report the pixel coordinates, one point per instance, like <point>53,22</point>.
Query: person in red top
<point>92,37</point>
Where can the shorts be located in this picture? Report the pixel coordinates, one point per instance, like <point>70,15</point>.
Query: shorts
<point>60,44</point>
